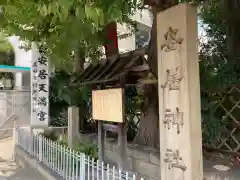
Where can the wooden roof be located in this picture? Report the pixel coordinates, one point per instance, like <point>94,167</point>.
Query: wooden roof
<point>130,65</point>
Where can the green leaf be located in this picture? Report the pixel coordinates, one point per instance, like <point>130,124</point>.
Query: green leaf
<point>65,3</point>
<point>54,24</point>
<point>64,13</point>
<point>80,13</point>
<point>89,11</point>
<point>54,8</point>
<point>116,14</point>
<point>44,10</point>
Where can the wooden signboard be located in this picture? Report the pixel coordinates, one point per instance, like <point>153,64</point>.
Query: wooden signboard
<point>108,105</point>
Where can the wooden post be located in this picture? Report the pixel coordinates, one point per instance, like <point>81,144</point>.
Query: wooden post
<point>179,94</point>
<point>100,136</point>
<point>122,133</point>
<point>122,144</point>
<point>100,141</point>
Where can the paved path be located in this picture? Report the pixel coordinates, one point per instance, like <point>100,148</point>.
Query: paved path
<point>9,170</point>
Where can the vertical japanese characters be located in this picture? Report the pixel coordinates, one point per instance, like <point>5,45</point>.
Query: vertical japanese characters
<point>34,85</point>
<point>43,84</point>
<point>40,89</point>
<point>179,94</point>
<point>173,116</point>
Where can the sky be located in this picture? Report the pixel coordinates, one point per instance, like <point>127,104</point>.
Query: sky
<point>201,31</point>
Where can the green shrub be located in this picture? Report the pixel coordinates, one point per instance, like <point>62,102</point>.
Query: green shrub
<point>82,147</point>
<point>64,141</point>
<point>50,135</point>
<point>88,149</point>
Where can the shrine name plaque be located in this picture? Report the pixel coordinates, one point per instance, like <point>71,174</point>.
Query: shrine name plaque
<point>108,105</point>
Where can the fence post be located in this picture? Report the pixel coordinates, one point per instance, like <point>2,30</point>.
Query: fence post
<point>82,167</point>
<point>122,145</point>
<point>15,139</point>
<point>40,146</point>
<point>30,141</point>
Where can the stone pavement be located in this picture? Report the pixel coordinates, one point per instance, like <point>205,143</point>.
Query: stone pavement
<point>9,170</point>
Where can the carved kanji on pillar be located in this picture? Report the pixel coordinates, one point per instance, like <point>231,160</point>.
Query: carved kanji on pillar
<point>173,118</point>
<point>174,78</point>
<point>179,94</point>
<point>174,160</point>
<point>171,40</point>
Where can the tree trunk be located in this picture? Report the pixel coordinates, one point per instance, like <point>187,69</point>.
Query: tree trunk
<point>79,60</point>
<point>148,133</point>
<point>152,51</point>
<point>233,35</point>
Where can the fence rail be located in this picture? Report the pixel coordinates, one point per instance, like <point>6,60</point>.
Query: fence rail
<point>67,163</point>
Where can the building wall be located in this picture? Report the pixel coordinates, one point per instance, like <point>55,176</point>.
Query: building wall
<point>22,58</point>
<point>128,43</point>
<point>142,18</point>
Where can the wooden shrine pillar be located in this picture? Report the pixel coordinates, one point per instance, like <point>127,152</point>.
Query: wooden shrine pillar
<point>179,94</point>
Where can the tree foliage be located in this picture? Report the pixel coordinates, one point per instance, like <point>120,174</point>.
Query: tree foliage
<point>63,96</point>
<point>64,25</point>
<point>219,65</point>
<point>6,55</point>
<point>5,46</point>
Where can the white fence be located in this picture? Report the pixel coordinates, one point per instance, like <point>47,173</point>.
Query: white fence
<point>70,165</point>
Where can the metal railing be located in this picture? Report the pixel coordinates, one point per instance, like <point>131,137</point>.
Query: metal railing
<point>12,103</point>
<point>12,100</point>
<point>67,163</point>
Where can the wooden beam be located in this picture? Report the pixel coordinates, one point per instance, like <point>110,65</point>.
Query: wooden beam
<point>110,127</point>
<point>144,67</point>
<point>97,71</point>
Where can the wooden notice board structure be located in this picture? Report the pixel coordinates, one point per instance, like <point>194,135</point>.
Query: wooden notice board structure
<point>108,80</point>
<point>108,105</point>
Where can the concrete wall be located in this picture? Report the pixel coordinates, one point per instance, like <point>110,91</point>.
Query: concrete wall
<point>145,161</point>
<point>25,160</point>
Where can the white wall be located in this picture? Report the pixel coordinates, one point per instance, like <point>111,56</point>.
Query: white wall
<point>129,43</point>
<point>125,44</point>
<point>22,58</point>
<point>143,17</point>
